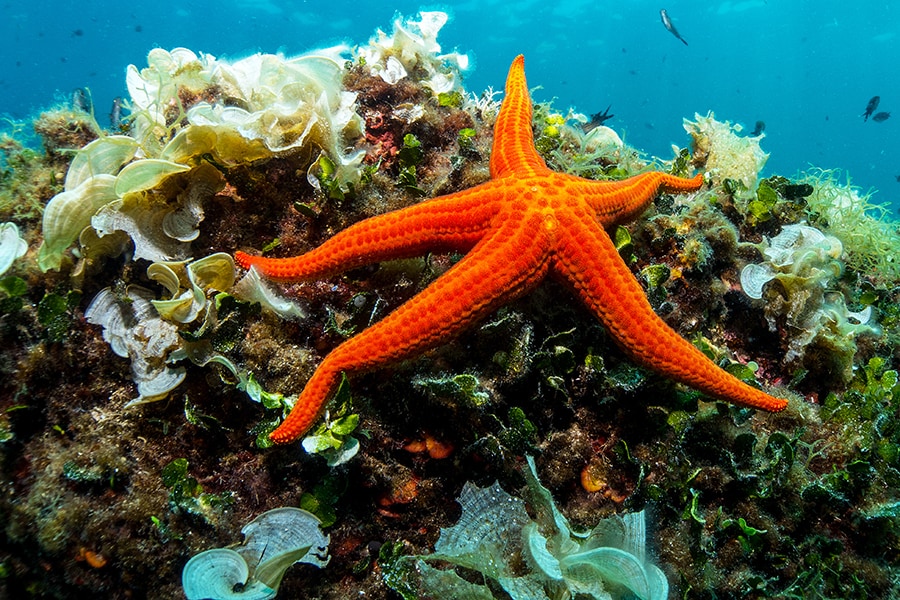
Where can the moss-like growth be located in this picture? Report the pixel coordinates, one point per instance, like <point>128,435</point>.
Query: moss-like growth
<point>28,177</point>
<point>871,239</point>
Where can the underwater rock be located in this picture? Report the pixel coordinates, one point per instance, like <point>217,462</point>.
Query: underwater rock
<point>821,478</point>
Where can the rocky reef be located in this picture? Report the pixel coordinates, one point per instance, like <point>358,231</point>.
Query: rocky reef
<point>142,371</point>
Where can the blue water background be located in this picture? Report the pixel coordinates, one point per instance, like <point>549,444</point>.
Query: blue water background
<point>806,68</point>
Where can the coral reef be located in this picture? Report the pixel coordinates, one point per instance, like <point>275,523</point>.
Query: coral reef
<point>122,249</point>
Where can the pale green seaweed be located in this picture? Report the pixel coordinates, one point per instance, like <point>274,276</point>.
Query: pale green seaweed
<point>724,153</point>
<point>797,282</point>
<point>187,283</point>
<point>413,48</point>
<point>134,330</point>
<point>145,175</point>
<point>188,143</point>
<point>160,231</point>
<point>91,183</point>
<point>869,234</point>
<point>273,541</point>
<point>103,156</point>
<point>12,246</point>
<point>68,213</point>
<point>223,574</point>
<point>495,534</point>
<point>251,288</point>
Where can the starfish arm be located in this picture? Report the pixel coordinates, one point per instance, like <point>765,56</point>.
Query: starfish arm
<point>503,266</point>
<point>587,259</point>
<point>620,201</point>
<point>450,223</point>
<point>513,149</point>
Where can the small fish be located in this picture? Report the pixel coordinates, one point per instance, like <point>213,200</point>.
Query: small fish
<point>597,119</point>
<point>881,117</point>
<point>898,178</point>
<point>115,113</point>
<point>671,28</point>
<point>758,129</point>
<point>871,106</point>
<point>81,100</point>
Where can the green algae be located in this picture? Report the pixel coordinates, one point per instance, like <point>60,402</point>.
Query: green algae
<point>273,541</point>
<point>333,439</point>
<point>519,434</point>
<point>186,494</point>
<point>494,530</point>
<point>865,227</point>
<point>324,496</point>
<point>56,313</point>
<point>463,387</point>
<point>804,307</point>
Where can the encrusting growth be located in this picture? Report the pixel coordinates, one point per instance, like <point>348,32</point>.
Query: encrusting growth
<point>524,223</point>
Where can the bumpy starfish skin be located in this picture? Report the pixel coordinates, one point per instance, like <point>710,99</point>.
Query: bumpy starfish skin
<point>524,223</point>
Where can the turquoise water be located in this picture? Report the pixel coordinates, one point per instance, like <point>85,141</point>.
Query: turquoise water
<point>807,69</point>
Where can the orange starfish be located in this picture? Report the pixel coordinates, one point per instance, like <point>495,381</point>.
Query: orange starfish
<point>524,223</point>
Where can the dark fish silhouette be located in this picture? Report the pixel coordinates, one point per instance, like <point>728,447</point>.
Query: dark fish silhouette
<point>871,106</point>
<point>881,117</point>
<point>81,100</point>
<point>115,113</point>
<point>597,119</point>
<point>668,24</point>
<point>760,127</point>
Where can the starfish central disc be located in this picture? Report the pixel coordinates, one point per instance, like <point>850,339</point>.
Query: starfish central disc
<point>515,229</point>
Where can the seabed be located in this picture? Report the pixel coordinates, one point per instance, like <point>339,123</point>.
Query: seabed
<point>142,372</point>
